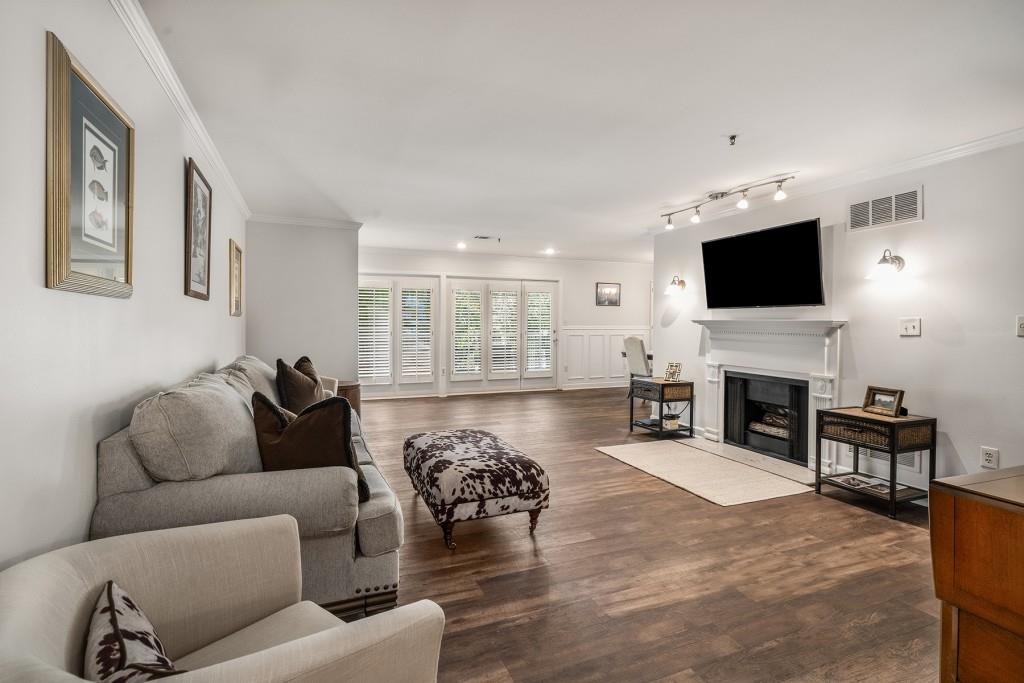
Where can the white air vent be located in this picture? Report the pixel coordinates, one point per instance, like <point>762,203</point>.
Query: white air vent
<point>902,207</point>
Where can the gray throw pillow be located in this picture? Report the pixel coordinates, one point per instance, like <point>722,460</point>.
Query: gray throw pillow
<point>195,432</point>
<point>122,646</point>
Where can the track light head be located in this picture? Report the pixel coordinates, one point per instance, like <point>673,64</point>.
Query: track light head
<point>743,203</point>
<point>460,246</point>
<point>695,218</point>
<point>668,224</point>
<point>780,194</point>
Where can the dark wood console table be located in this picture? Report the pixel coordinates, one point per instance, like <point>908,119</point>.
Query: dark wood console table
<point>657,389</point>
<point>977,533</point>
<point>893,435</point>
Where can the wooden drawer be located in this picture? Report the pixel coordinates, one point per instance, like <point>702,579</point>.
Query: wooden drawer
<point>678,392</point>
<point>855,431</point>
<point>645,392</point>
<point>987,653</point>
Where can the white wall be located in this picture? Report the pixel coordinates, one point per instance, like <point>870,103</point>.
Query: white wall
<point>301,287</point>
<point>963,277</point>
<point>589,348</point>
<point>74,365</point>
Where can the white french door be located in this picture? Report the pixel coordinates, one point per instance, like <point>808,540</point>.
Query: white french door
<point>501,335</point>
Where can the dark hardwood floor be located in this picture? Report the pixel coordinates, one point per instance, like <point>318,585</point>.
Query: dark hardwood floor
<point>631,579</point>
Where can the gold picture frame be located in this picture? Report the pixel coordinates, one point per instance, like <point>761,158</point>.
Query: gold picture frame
<point>89,193</point>
<point>883,401</point>
<point>234,278</point>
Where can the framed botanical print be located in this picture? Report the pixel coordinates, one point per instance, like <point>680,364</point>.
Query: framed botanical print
<point>90,156</point>
<point>198,201</point>
<point>234,278</point>
<point>608,293</point>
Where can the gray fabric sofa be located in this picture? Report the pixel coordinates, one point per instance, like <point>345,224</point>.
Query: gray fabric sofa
<point>190,457</point>
<point>224,600</point>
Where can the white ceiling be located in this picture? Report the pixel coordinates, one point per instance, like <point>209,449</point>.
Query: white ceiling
<point>574,123</point>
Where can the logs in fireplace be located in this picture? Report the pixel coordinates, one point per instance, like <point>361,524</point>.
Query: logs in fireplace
<point>767,414</point>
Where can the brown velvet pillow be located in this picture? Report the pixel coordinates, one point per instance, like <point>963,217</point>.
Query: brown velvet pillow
<point>319,436</point>
<point>299,386</point>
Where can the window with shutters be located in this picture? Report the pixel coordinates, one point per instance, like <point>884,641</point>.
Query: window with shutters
<point>538,333</point>
<point>416,334</point>
<point>467,337</point>
<point>504,332</point>
<point>374,330</point>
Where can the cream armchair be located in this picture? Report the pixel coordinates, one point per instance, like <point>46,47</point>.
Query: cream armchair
<point>225,600</point>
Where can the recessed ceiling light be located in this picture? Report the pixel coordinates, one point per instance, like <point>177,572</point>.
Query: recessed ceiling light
<point>460,245</point>
<point>549,251</point>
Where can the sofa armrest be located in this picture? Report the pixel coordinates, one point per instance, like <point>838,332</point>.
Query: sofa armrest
<point>323,500</point>
<point>400,645</point>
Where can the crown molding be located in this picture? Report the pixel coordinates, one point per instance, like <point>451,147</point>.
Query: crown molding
<point>337,224</point>
<point>142,34</point>
<point>1004,139</point>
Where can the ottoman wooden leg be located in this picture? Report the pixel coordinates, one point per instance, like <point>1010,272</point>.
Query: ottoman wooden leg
<point>534,516</point>
<point>447,528</point>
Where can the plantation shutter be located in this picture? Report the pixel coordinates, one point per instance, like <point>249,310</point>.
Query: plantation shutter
<point>374,332</point>
<point>416,335</point>
<point>539,329</point>
<point>504,333</point>
<point>467,334</point>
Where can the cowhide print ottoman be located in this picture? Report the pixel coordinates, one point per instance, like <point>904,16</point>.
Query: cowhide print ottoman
<point>464,474</point>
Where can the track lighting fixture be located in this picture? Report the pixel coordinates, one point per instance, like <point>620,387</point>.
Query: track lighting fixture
<point>743,202</point>
<point>460,246</point>
<point>550,251</point>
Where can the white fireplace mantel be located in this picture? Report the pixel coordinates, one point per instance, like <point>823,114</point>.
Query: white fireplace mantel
<point>794,348</point>
<point>771,327</point>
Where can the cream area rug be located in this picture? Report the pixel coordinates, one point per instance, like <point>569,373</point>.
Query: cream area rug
<point>713,478</point>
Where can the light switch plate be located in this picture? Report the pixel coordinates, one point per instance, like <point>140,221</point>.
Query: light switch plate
<point>1020,325</point>
<point>910,327</point>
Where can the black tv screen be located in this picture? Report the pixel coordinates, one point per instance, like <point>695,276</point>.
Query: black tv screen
<point>774,267</point>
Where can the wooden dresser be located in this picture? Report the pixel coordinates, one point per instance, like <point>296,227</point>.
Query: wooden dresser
<point>977,532</point>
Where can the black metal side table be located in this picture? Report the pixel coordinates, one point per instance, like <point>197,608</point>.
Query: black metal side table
<point>657,389</point>
<point>893,435</point>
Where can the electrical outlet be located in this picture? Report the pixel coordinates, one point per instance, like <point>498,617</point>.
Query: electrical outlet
<point>990,458</point>
<point>1020,325</point>
<point>910,327</point>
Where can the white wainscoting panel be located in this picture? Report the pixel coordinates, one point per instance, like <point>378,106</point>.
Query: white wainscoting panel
<point>591,357</point>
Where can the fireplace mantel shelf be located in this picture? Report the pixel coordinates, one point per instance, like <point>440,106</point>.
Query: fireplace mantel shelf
<point>772,327</point>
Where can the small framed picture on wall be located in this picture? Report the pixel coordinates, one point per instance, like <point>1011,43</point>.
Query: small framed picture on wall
<point>609,293</point>
<point>198,200</point>
<point>235,278</point>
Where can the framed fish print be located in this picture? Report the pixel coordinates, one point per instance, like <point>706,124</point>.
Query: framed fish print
<point>198,200</point>
<point>90,153</point>
<point>234,278</point>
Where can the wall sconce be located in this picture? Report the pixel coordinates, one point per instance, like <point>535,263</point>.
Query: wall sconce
<point>677,285</point>
<point>888,265</point>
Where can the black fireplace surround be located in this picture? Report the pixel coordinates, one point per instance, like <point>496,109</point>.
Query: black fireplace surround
<point>767,415</point>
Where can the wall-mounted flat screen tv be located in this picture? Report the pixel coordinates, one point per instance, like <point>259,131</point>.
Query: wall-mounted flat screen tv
<point>774,267</point>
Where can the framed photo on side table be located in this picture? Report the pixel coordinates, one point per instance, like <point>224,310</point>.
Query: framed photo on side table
<point>90,156</point>
<point>198,202</point>
<point>234,278</point>
<point>882,401</point>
